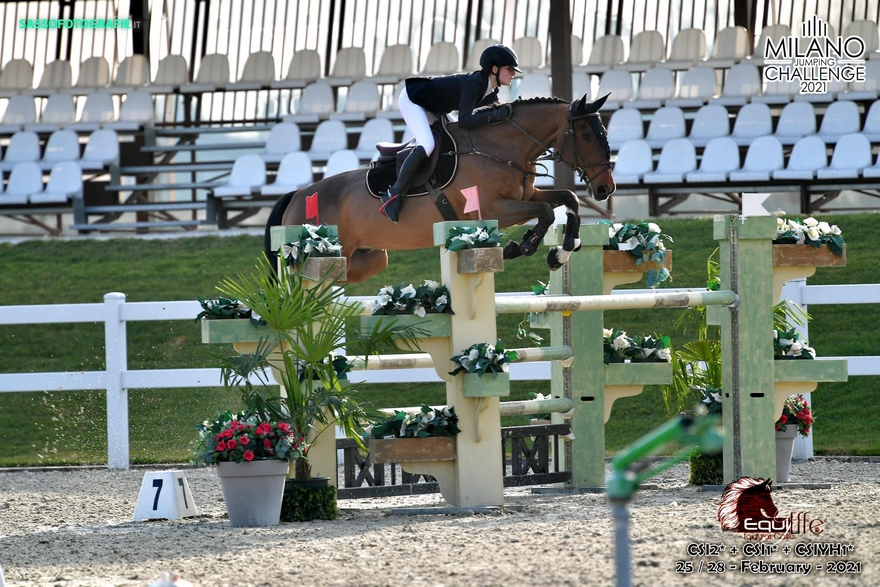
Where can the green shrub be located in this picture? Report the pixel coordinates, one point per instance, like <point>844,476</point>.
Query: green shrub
<point>707,469</point>
<point>307,500</point>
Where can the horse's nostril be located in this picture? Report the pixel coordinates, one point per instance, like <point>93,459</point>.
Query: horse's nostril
<point>602,192</point>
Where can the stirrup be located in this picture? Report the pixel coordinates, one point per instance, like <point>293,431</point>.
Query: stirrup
<point>391,207</point>
<point>386,199</point>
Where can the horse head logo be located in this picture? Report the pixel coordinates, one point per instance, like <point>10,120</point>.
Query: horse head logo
<point>748,499</point>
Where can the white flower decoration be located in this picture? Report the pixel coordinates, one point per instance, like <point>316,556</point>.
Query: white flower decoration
<point>620,342</point>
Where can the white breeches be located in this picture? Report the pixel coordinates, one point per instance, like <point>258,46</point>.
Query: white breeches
<point>417,120</point>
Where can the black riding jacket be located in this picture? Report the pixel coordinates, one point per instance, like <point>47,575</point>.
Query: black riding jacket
<point>461,91</point>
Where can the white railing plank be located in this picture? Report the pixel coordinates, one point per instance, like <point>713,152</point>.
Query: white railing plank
<point>72,381</point>
<point>51,314</point>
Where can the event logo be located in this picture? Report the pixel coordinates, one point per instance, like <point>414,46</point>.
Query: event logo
<point>814,59</point>
<point>747,507</point>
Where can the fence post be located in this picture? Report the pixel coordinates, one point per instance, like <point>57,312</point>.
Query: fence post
<point>116,349</point>
<point>793,290</point>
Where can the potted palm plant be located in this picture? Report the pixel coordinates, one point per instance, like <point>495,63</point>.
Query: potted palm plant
<point>306,320</point>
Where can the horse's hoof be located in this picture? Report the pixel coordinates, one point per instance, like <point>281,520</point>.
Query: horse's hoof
<point>553,260</point>
<point>511,251</point>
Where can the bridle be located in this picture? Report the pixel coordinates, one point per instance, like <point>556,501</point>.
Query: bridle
<point>578,167</point>
<point>555,154</point>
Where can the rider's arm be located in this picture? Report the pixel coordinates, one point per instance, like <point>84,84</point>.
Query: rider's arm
<point>472,93</point>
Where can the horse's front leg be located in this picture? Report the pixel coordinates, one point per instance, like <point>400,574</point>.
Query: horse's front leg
<point>558,256</point>
<point>509,212</point>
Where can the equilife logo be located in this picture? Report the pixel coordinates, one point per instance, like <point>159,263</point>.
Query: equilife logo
<point>747,507</point>
<point>814,59</point>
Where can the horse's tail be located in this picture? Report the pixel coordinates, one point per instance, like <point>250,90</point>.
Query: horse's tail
<point>275,220</point>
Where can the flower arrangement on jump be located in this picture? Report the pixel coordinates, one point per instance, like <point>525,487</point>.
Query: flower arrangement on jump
<point>428,298</point>
<point>242,438</point>
<point>313,240</point>
<point>223,308</point>
<point>645,242</point>
<point>618,347</point>
<point>482,358</point>
<point>425,423</point>
<point>787,344</point>
<point>796,411</point>
<point>472,237</point>
<point>810,232</point>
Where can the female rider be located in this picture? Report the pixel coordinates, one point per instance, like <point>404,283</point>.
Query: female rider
<point>441,95</point>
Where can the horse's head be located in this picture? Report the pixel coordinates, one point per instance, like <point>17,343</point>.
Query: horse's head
<point>744,499</point>
<point>590,148</point>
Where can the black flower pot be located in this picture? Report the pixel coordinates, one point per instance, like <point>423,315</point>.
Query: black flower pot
<point>308,499</point>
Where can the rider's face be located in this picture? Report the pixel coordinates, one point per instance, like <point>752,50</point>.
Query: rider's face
<point>506,75</point>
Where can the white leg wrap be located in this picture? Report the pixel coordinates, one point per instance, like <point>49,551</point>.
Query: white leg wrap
<point>562,256</point>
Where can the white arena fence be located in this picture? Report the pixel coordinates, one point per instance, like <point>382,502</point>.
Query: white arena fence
<point>117,378</point>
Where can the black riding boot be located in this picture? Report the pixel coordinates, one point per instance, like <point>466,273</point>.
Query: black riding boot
<point>392,199</point>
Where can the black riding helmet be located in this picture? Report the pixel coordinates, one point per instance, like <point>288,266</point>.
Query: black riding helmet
<point>499,55</point>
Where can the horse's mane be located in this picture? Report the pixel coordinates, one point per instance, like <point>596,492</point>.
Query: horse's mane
<point>539,100</point>
<point>728,507</point>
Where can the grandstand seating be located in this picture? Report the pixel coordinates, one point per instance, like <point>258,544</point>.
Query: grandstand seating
<point>732,45</point>
<point>442,58</point>
<point>57,76</point>
<point>647,50</point>
<point>657,86</point>
<point>529,52</point>
<point>716,130</point>
<point>94,73</point>
<point>350,66</point>
<point>213,75</point>
<point>247,176</point>
<point>24,146</point>
<point>362,102</point>
<point>607,52</point>
<point>133,73</point>
<point>808,156</point>
<point>688,49</point>
<point>618,83</point>
<point>258,72</point>
<point>17,76</point>
<point>852,154</point>
<point>762,159</point>
<point>20,111</point>
<point>294,172</point>
<point>341,161</point>
<point>376,130</point>
<point>99,109</point>
<point>710,122</point>
<point>304,68</point>
<point>284,138</point>
<point>677,159</point>
<point>396,64</point>
<point>25,179</point>
<point>720,158</point>
<point>65,182</point>
<point>315,104</point>
<point>170,75</point>
<point>63,145</point>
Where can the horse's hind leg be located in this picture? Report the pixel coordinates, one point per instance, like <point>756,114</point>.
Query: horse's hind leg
<point>364,263</point>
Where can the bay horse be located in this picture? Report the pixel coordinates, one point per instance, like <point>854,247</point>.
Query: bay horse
<point>500,159</point>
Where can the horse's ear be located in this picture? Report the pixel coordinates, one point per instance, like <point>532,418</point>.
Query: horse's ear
<point>594,107</point>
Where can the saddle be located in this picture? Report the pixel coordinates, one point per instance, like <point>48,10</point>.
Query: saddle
<point>439,170</point>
